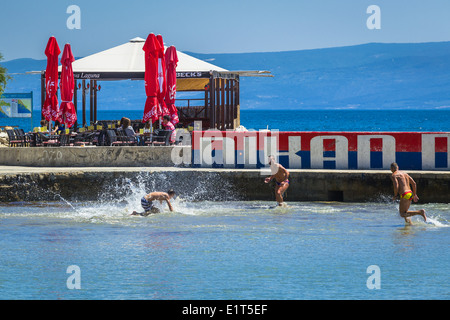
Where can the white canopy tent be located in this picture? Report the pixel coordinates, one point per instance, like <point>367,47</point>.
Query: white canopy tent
<point>126,61</point>
<point>129,57</point>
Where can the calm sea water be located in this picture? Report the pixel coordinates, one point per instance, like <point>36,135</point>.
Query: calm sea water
<point>305,120</point>
<point>222,250</point>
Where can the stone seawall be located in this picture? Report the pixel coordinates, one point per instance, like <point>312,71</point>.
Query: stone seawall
<point>103,183</point>
<point>92,156</point>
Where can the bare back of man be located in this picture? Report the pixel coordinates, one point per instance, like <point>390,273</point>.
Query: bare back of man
<point>406,188</point>
<point>147,202</point>
<point>281,176</point>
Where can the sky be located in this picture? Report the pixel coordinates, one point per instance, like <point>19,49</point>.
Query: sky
<point>217,26</point>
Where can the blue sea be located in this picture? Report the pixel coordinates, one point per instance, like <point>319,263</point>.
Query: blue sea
<point>231,250</point>
<point>225,250</point>
<point>424,120</point>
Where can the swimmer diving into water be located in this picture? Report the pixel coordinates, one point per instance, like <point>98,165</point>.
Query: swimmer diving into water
<point>281,176</point>
<point>402,186</point>
<point>147,202</point>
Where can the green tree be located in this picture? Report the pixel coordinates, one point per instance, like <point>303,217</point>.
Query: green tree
<point>4,78</point>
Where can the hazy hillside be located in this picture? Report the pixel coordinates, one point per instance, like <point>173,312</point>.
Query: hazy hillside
<point>364,76</point>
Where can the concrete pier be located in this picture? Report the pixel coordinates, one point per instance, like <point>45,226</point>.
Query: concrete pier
<point>21,183</point>
<point>131,156</point>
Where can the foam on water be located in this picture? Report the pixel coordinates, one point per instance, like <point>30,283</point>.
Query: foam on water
<point>111,210</point>
<point>436,222</point>
<point>118,200</point>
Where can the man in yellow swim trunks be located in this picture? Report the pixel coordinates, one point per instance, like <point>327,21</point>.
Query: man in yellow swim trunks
<point>402,186</point>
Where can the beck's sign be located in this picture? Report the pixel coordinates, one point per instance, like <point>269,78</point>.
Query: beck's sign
<point>322,150</point>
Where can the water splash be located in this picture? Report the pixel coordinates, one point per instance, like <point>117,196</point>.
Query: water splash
<point>117,200</point>
<point>436,220</point>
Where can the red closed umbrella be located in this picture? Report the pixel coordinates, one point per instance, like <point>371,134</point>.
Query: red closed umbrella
<point>152,109</point>
<point>171,77</point>
<point>67,109</point>
<point>50,109</point>
<point>162,76</point>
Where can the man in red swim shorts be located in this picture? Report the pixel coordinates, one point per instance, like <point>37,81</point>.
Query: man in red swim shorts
<point>281,176</point>
<point>402,186</point>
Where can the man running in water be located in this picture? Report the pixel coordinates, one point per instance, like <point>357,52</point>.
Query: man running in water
<point>281,176</point>
<point>402,186</point>
<point>147,202</point>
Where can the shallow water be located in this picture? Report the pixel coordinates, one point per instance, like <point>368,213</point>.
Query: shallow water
<point>222,250</point>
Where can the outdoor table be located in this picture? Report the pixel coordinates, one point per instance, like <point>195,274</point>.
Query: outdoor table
<point>35,137</point>
<point>51,139</point>
<point>145,138</point>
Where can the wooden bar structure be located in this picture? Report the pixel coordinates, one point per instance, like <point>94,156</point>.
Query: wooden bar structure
<point>91,101</point>
<point>221,102</point>
<point>83,88</point>
<point>75,100</point>
<point>218,110</point>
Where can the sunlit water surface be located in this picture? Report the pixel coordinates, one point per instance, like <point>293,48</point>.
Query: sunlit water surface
<point>222,250</point>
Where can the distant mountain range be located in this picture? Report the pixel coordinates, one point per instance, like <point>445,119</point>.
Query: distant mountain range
<point>370,76</point>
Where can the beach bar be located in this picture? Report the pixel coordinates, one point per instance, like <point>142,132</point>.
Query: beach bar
<point>218,109</point>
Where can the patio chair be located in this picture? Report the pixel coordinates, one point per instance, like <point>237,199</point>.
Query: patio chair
<point>126,140</point>
<point>146,139</point>
<point>64,140</point>
<point>13,140</point>
<point>23,137</point>
<point>161,137</point>
<point>111,138</point>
